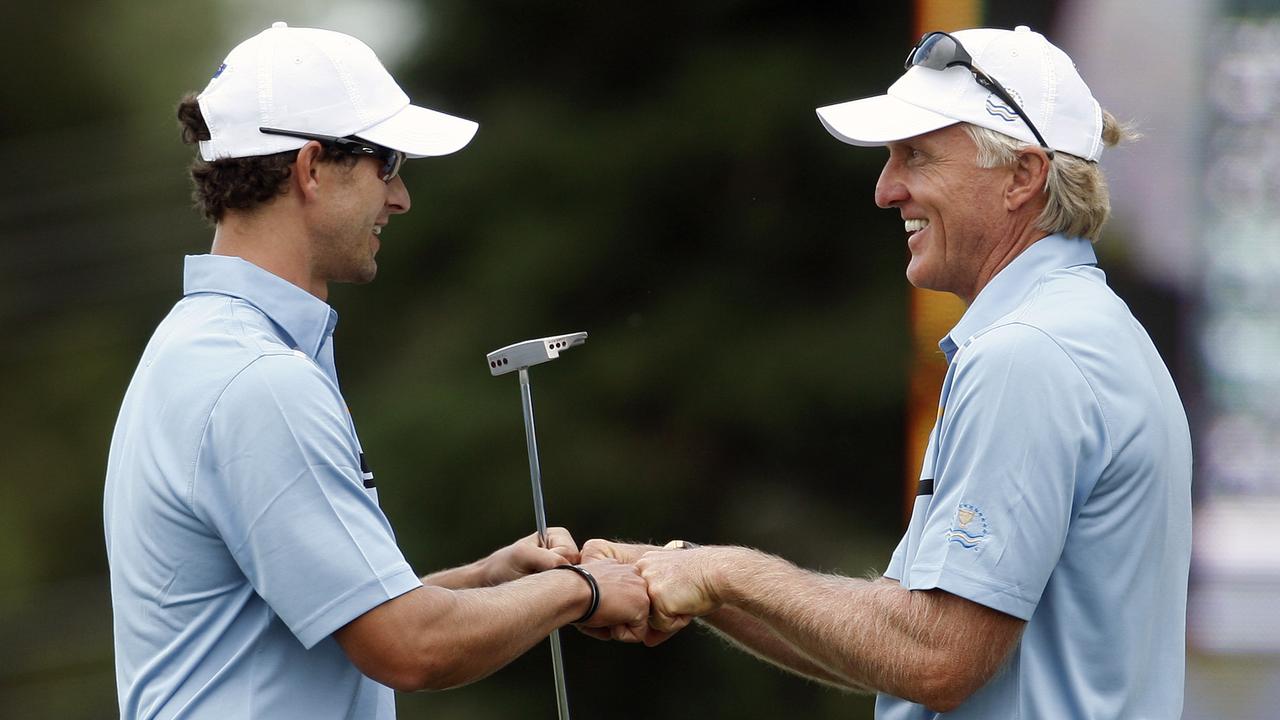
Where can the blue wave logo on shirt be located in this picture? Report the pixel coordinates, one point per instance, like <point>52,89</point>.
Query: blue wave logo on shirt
<point>969,527</point>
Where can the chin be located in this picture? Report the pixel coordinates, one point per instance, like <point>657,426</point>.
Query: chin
<point>918,276</point>
<point>361,276</point>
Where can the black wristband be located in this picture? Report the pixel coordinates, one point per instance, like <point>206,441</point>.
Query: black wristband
<point>595,591</point>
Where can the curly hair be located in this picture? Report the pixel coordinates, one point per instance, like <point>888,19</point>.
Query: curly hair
<point>237,183</point>
<point>1079,201</point>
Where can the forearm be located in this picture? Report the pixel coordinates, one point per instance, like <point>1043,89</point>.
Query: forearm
<point>470,575</point>
<point>834,620</point>
<point>753,636</point>
<point>483,629</point>
<point>871,634</point>
<point>435,638</point>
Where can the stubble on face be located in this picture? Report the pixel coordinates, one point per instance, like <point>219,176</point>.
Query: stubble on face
<point>343,245</point>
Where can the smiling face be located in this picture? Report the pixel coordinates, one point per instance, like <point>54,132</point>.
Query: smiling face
<point>345,236</point>
<point>952,210</point>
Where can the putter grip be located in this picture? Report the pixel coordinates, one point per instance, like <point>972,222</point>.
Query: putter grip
<point>595,591</point>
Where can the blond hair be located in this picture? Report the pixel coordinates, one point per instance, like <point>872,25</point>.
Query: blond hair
<point>1078,202</point>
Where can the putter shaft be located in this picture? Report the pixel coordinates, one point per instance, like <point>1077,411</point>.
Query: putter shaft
<point>535,470</point>
<point>540,516</point>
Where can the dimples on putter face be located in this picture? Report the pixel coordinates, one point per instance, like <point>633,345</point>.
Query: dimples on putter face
<point>520,357</point>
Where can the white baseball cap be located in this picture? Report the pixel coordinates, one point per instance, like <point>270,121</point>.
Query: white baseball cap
<point>316,81</point>
<point>1039,76</point>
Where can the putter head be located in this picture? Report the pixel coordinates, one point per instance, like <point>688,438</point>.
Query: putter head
<point>531,352</point>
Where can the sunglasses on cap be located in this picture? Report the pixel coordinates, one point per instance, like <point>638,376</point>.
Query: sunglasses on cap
<point>391,159</point>
<point>939,51</point>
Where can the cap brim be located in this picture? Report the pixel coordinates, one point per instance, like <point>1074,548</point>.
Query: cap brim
<point>419,132</point>
<point>879,120</point>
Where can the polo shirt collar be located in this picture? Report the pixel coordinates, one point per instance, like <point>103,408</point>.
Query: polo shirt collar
<point>306,319</point>
<point>1010,286</point>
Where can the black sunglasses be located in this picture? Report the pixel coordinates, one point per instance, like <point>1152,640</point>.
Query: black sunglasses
<point>939,51</point>
<point>391,159</point>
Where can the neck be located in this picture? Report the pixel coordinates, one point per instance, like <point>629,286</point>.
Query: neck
<point>276,246</point>
<point>1017,238</point>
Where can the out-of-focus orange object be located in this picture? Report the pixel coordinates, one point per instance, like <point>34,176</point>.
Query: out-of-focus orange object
<point>931,314</point>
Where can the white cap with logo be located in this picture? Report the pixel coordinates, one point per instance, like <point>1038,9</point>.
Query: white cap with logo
<point>1041,78</point>
<point>321,82</point>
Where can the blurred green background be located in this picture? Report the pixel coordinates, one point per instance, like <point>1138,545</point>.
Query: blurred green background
<point>652,173</point>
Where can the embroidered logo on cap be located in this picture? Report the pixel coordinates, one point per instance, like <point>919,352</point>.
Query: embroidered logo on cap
<point>969,527</point>
<point>1001,109</point>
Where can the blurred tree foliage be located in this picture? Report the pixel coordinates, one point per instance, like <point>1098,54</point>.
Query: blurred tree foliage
<point>652,173</point>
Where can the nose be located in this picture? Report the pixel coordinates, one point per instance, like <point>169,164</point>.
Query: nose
<point>397,197</point>
<point>890,190</point>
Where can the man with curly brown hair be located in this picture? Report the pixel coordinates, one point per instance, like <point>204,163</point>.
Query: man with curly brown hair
<point>253,574</point>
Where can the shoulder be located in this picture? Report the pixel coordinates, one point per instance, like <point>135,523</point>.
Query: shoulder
<point>1013,342</point>
<point>1069,316</point>
<point>211,344</point>
<point>206,345</point>
<point>214,333</point>
<point>279,412</point>
<point>1074,305</point>
<point>1042,361</point>
<point>278,379</point>
<point>1024,366</point>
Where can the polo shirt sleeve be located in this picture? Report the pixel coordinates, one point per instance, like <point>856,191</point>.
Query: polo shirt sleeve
<point>1020,444</point>
<point>279,480</point>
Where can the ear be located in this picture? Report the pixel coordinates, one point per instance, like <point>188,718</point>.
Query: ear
<point>1029,178</point>
<point>306,171</point>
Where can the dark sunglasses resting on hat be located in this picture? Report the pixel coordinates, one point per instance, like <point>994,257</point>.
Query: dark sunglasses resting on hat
<point>391,159</point>
<point>939,50</point>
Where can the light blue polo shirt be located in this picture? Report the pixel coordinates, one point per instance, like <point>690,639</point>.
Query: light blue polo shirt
<point>1060,468</point>
<point>241,527</point>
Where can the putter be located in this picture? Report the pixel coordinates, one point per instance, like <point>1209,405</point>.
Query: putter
<point>520,357</point>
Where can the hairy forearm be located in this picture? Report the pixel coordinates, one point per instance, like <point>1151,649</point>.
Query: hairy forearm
<point>838,621</point>
<point>871,634</point>
<point>753,636</point>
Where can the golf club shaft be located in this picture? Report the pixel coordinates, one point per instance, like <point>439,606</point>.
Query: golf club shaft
<point>535,471</point>
<point>540,516</point>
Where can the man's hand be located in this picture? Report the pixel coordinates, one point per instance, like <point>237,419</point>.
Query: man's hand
<point>624,602</point>
<point>626,553</point>
<point>660,628</point>
<point>526,557</point>
<point>629,553</point>
<point>682,586</point>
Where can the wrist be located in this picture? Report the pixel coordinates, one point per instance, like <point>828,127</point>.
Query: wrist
<point>486,572</point>
<point>593,602</point>
<point>566,592</point>
<point>725,572</point>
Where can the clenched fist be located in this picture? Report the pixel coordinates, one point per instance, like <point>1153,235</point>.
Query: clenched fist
<point>682,586</point>
<point>624,601</point>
